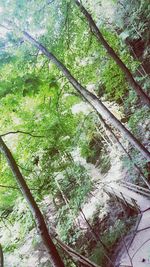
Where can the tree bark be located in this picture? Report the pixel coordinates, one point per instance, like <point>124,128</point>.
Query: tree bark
<point>1,257</point>
<point>129,77</point>
<point>41,225</point>
<point>91,98</point>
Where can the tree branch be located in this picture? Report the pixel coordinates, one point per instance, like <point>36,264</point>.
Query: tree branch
<point>22,132</point>
<point>14,187</point>
<point>8,186</point>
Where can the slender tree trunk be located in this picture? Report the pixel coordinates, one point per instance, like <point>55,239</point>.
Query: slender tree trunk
<point>1,257</point>
<point>137,88</point>
<point>41,225</point>
<point>91,98</point>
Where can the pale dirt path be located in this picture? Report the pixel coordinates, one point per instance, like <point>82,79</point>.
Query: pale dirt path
<point>142,201</point>
<point>139,250</point>
<point>138,254</point>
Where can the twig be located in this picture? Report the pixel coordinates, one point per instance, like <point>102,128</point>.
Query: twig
<point>22,132</point>
<point>13,187</point>
<point>7,186</point>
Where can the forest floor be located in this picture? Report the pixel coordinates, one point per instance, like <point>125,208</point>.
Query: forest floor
<point>134,248</point>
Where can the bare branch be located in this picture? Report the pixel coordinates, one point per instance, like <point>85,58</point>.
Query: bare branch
<point>11,187</point>
<point>14,187</point>
<point>22,132</point>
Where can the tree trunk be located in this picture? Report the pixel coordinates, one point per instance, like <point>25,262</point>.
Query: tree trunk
<point>91,98</point>
<point>41,225</point>
<point>1,257</point>
<point>137,88</point>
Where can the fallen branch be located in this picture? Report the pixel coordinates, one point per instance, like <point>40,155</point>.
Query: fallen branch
<point>75,255</point>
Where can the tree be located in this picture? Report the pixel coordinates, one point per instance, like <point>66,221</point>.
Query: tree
<point>145,98</point>
<point>39,219</point>
<point>1,257</point>
<point>90,98</point>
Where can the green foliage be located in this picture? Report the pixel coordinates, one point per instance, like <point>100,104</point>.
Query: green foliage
<point>20,221</point>
<point>114,81</point>
<point>114,233</point>
<point>98,255</point>
<point>105,163</point>
<point>110,237</point>
<point>133,17</point>
<point>76,187</point>
<point>139,125</point>
<point>38,100</point>
<point>112,78</point>
<point>7,195</point>
<point>130,102</point>
<point>136,121</point>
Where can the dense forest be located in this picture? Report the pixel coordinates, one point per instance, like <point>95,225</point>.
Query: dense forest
<point>74,135</point>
